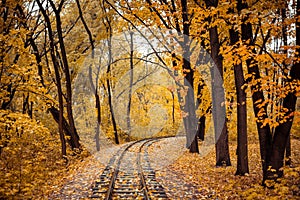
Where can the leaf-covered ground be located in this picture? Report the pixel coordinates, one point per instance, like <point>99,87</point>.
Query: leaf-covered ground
<point>196,177</point>
<point>191,176</point>
<point>77,183</point>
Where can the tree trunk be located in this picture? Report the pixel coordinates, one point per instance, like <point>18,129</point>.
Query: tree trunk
<point>219,110</point>
<point>264,132</point>
<point>201,128</point>
<point>288,152</point>
<point>94,87</point>
<point>65,126</point>
<point>107,23</point>
<point>173,109</point>
<point>57,77</point>
<point>110,104</point>
<point>201,121</point>
<point>98,106</point>
<point>242,145</point>
<point>10,95</point>
<point>189,106</point>
<point>288,160</point>
<point>74,134</point>
<point>130,84</point>
<point>280,138</point>
<point>282,132</point>
<point>110,95</point>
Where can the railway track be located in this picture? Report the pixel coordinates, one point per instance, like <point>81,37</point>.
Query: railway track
<point>129,175</point>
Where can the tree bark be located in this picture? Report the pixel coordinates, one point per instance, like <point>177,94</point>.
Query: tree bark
<point>10,95</point>
<point>288,152</point>
<point>97,105</point>
<point>130,84</point>
<point>282,132</point>
<point>219,110</point>
<point>94,87</point>
<point>288,160</point>
<point>242,143</point>
<point>65,125</point>
<point>189,106</point>
<point>57,77</point>
<point>280,138</point>
<point>264,132</point>
<point>201,121</point>
<point>74,134</point>
<point>107,23</point>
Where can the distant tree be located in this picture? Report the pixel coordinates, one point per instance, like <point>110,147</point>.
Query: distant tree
<point>181,24</point>
<point>130,81</point>
<point>107,21</point>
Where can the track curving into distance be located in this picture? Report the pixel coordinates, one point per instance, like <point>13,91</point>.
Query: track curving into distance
<point>129,175</point>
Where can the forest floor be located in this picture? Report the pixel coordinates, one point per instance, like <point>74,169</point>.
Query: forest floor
<point>191,176</point>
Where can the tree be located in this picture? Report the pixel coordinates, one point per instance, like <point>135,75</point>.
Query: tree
<point>242,146</point>
<point>202,118</point>
<point>189,107</point>
<point>218,108</point>
<point>272,116</point>
<point>58,81</point>
<point>282,132</point>
<point>107,22</point>
<point>25,143</point>
<point>65,66</point>
<point>156,17</point>
<point>130,82</point>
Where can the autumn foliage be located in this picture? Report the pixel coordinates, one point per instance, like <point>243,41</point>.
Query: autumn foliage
<point>68,69</point>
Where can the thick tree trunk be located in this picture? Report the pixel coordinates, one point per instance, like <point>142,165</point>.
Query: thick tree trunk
<point>242,144</point>
<point>264,132</point>
<point>242,148</point>
<point>189,106</point>
<point>288,152</point>
<point>218,96</point>
<point>288,160</point>
<point>219,110</point>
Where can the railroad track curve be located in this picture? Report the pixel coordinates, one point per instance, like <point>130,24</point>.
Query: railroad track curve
<point>129,175</point>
